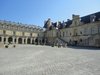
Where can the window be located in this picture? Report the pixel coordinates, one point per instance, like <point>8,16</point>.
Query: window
<point>75,22</point>
<point>80,40</point>
<point>23,33</point>
<point>99,29</point>
<point>94,30</point>
<point>63,34</point>
<point>70,34</point>
<point>1,26</point>
<point>4,32</point>
<point>31,34</point>
<point>60,34</point>
<point>7,26</point>
<point>76,34</point>
<point>38,34</point>
<point>80,32</point>
<point>85,31</point>
<point>66,33</point>
<point>13,33</point>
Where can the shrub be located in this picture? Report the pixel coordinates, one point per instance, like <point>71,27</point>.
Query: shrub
<point>6,46</point>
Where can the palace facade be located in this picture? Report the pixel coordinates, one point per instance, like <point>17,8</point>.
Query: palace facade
<point>80,31</point>
<point>18,33</point>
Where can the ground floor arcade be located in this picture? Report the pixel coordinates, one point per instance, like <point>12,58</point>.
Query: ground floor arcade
<point>21,40</point>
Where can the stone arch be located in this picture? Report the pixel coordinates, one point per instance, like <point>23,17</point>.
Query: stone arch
<point>20,41</point>
<point>36,41</point>
<point>28,41</point>
<point>10,39</point>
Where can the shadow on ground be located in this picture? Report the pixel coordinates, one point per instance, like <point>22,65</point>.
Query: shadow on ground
<point>85,48</point>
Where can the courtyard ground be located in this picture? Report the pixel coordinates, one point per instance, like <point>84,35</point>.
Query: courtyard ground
<point>46,60</point>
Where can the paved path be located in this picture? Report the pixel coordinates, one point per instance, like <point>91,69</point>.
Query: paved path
<point>44,60</point>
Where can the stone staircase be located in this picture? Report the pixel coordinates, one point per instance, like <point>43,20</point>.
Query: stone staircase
<point>60,42</point>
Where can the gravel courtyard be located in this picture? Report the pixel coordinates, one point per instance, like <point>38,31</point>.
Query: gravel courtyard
<point>45,60</point>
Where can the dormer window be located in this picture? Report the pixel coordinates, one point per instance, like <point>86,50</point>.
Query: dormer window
<point>75,23</point>
<point>92,18</point>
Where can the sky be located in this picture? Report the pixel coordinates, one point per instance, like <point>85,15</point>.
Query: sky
<point>37,11</point>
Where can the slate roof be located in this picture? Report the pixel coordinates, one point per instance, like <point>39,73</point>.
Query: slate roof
<point>68,23</point>
<point>86,19</point>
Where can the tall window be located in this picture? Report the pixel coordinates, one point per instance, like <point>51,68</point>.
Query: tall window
<point>66,33</point>
<point>63,34</point>
<point>99,29</point>
<point>4,32</point>
<point>70,34</point>
<point>31,34</point>
<point>14,33</point>
<point>76,34</point>
<point>94,30</point>
<point>80,32</point>
<point>75,23</point>
<point>85,31</point>
<point>23,33</point>
<point>80,40</point>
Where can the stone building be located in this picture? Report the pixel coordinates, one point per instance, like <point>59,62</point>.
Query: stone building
<point>18,33</point>
<point>80,31</point>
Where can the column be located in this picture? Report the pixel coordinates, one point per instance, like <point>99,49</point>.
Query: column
<point>2,40</point>
<point>13,40</point>
<point>23,40</point>
<point>41,42</point>
<point>31,40</point>
<point>45,41</point>
<point>7,40</point>
<point>17,40</point>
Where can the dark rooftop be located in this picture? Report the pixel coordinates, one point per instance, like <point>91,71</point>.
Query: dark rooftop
<point>86,19</point>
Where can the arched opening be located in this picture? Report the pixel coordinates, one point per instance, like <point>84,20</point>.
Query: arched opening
<point>43,41</point>
<point>24,41</point>
<point>40,42</point>
<point>0,39</point>
<point>28,41</point>
<point>4,40</point>
<point>20,41</point>
<point>36,41</point>
<point>75,43</point>
<point>15,40</point>
<point>10,39</point>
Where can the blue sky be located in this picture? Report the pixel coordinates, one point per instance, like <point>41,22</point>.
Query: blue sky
<point>36,11</point>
